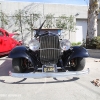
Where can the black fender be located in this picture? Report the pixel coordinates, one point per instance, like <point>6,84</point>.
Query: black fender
<point>78,51</point>
<point>20,51</point>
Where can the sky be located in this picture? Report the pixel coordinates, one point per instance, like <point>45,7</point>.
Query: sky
<point>76,2</point>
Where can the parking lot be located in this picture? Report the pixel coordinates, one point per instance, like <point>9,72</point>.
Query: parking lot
<point>69,88</point>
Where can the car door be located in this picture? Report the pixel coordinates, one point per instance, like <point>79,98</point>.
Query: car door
<point>7,42</point>
<point>12,42</point>
<point>1,41</point>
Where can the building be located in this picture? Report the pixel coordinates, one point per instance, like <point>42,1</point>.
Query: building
<point>80,13</point>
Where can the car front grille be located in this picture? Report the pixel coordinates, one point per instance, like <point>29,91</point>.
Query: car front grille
<point>49,49</point>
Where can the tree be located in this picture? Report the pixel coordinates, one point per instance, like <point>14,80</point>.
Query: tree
<point>62,22</point>
<point>24,22</point>
<point>4,20</point>
<point>93,12</point>
<point>49,21</point>
<point>66,23</point>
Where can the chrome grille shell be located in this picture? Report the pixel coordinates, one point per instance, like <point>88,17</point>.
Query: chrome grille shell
<point>49,49</point>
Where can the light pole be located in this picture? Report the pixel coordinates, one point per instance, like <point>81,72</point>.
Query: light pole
<point>76,14</point>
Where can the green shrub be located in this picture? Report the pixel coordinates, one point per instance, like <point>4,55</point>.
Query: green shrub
<point>84,43</point>
<point>76,44</point>
<point>98,42</point>
<point>94,43</point>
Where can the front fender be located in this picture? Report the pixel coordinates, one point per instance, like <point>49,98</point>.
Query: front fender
<point>18,52</point>
<point>78,51</point>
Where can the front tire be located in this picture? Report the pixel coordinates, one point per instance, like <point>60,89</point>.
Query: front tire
<point>78,64</point>
<point>17,65</point>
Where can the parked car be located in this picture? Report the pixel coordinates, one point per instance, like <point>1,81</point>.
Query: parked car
<point>48,55</point>
<point>7,43</point>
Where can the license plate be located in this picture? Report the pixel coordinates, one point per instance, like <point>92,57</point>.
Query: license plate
<point>48,69</point>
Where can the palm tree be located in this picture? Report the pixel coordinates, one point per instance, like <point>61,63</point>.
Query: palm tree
<point>93,12</point>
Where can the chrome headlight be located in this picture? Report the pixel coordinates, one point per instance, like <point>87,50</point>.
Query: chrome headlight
<point>34,45</point>
<point>65,44</point>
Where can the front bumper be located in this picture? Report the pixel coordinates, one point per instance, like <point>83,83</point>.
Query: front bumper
<point>48,75</point>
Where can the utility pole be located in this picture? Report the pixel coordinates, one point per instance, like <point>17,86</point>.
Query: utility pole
<point>93,12</point>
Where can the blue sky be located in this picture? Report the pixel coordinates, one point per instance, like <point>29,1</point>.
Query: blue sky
<point>78,2</point>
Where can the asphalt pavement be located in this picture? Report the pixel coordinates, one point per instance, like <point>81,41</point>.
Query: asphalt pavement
<point>69,88</point>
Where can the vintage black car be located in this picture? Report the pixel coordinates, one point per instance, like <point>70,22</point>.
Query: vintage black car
<point>48,56</point>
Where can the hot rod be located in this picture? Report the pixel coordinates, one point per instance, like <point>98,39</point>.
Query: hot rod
<point>7,42</point>
<point>49,56</point>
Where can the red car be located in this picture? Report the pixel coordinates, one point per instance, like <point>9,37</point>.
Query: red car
<point>7,43</point>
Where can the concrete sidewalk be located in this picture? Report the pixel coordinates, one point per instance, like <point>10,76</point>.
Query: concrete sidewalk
<point>69,88</point>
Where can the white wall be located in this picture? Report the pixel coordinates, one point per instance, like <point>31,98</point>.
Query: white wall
<point>82,29</point>
<point>79,35</point>
<point>10,7</point>
<point>56,9</point>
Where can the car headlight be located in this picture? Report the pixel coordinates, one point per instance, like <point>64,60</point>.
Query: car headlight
<point>34,45</point>
<point>65,44</point>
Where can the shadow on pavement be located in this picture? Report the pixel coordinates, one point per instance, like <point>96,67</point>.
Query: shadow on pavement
<point>5,67</point>
<point>22,80</point>
<point>3,56</point>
